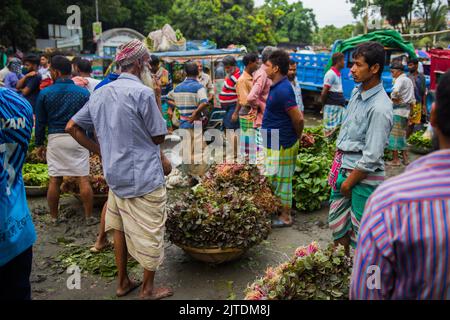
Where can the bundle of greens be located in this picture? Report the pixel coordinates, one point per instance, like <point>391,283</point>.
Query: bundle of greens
<point>102,263</point>
<point>419,142</point>
<point>311,274</point>
<point>35,175</point>
<point>230,208</point>
<point>310,181</point>
<point>97,180</point>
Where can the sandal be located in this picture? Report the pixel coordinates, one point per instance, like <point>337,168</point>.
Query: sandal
<point>281,224</point>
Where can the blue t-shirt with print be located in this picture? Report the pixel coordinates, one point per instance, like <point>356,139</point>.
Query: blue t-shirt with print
<point>17,232</point>
<point>280,100</point>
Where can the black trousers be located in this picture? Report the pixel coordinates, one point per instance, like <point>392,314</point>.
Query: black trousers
<point>15,277</point>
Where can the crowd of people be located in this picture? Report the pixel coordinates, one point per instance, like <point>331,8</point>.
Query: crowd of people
<point>398,225</point>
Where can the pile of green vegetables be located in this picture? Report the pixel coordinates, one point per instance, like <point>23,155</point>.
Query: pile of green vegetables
<point>102,263</point>
<point>230,208</point>
<point>35,175</point>
<point>419,142</point>
<point>310,181</point>
<point>311,274</point>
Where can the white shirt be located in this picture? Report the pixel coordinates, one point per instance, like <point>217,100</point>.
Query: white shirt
<point>92,84</point>
<point>404,91</point>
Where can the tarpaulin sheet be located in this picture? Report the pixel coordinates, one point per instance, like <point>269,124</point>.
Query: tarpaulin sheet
<point>388,38</point>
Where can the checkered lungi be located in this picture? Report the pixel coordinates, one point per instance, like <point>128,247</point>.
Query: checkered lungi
<point>279,169</point>
<point>345,213</point>
<point>247,140</point>
<point>397,138</point>
<point>332,118</point>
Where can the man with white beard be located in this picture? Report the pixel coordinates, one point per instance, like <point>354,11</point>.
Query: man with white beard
<point>129,128</point>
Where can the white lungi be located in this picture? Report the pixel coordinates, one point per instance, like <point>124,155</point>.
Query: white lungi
<point>66,157</point>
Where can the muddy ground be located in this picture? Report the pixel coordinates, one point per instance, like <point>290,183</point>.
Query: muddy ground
<point>189,279</point>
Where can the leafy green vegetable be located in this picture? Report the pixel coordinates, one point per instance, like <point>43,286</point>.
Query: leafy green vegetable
<point>231,208</point>
<point>418,140</point>
<point>310,182</point>
<point>35,174</point>
<point>102,263</point>
<point>311,274</point>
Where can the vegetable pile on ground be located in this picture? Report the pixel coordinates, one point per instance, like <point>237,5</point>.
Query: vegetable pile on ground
<point>312,274</point>
<point>35,175</point>
<point>420,143</point>
<point>33,155</point>
<point>310,182</point>
<point>98,182</point>
<point>102,263</point>
<point>230,208</point>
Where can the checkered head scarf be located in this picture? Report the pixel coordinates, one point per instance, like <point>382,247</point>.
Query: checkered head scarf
<point>15,65</point>
<point>130,52</point>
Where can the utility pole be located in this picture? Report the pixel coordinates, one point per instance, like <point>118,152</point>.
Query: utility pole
<point>366,18</point>
<point>96,10</point>
<point>97,20</point>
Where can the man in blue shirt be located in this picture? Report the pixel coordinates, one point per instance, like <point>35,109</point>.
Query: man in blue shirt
<point>29,85</point>
<point>358,167</point>
<point>17,233</point>
<point>129,127</point>
<point>283,120</point>
<point>55,106</point>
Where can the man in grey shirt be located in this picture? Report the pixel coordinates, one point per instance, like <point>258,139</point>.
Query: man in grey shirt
<point>358,167</point>
<point>129,128</point>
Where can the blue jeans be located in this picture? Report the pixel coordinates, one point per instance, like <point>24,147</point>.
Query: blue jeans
<point>227,123</point>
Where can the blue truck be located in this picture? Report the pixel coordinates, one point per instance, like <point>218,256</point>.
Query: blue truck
<point>311,68</point>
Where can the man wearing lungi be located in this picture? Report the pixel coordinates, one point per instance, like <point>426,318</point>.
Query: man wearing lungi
<point>358,167</point>
<point>55,106</point>
<point>332,96</point>
<point>244,85</point>
<point>419,113</point>
<point>281,116</point>
<point>402,96</point>
<point>130,128</point>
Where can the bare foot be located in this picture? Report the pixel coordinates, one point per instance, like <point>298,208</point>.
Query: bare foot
<point>393,163</point>
<point>156,294</point>
<point>132,285</point>
<point>100,245</point>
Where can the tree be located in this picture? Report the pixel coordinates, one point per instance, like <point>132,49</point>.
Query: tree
<point>397,12</point>
<point>147,15</point>
<point>327,35</point>
<point>298,24</point>
<point>438,18</point>
<point>225,22</point>
<point>17,26</point>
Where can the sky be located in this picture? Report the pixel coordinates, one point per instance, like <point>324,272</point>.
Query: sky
<point>335,12</point>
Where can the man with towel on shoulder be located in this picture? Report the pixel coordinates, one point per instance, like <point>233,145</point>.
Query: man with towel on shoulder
<point>129,127</point>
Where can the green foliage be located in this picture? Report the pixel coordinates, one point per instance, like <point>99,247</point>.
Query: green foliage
<point>329,34</point>
<point>35,175</point>
<point>298,23</point>
<point>311,274</point>
<point>17,25</point>
<point>310,182</point>
<point>420,143</point>
<point>230,209</point>
<point>102,263</point>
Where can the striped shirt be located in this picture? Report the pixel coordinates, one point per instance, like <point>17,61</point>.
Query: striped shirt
<point>405,234</point>
<point>228,96</point>
<point>187,96</point>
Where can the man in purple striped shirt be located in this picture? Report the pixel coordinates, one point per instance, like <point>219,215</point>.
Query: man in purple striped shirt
<point>403,248</point>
